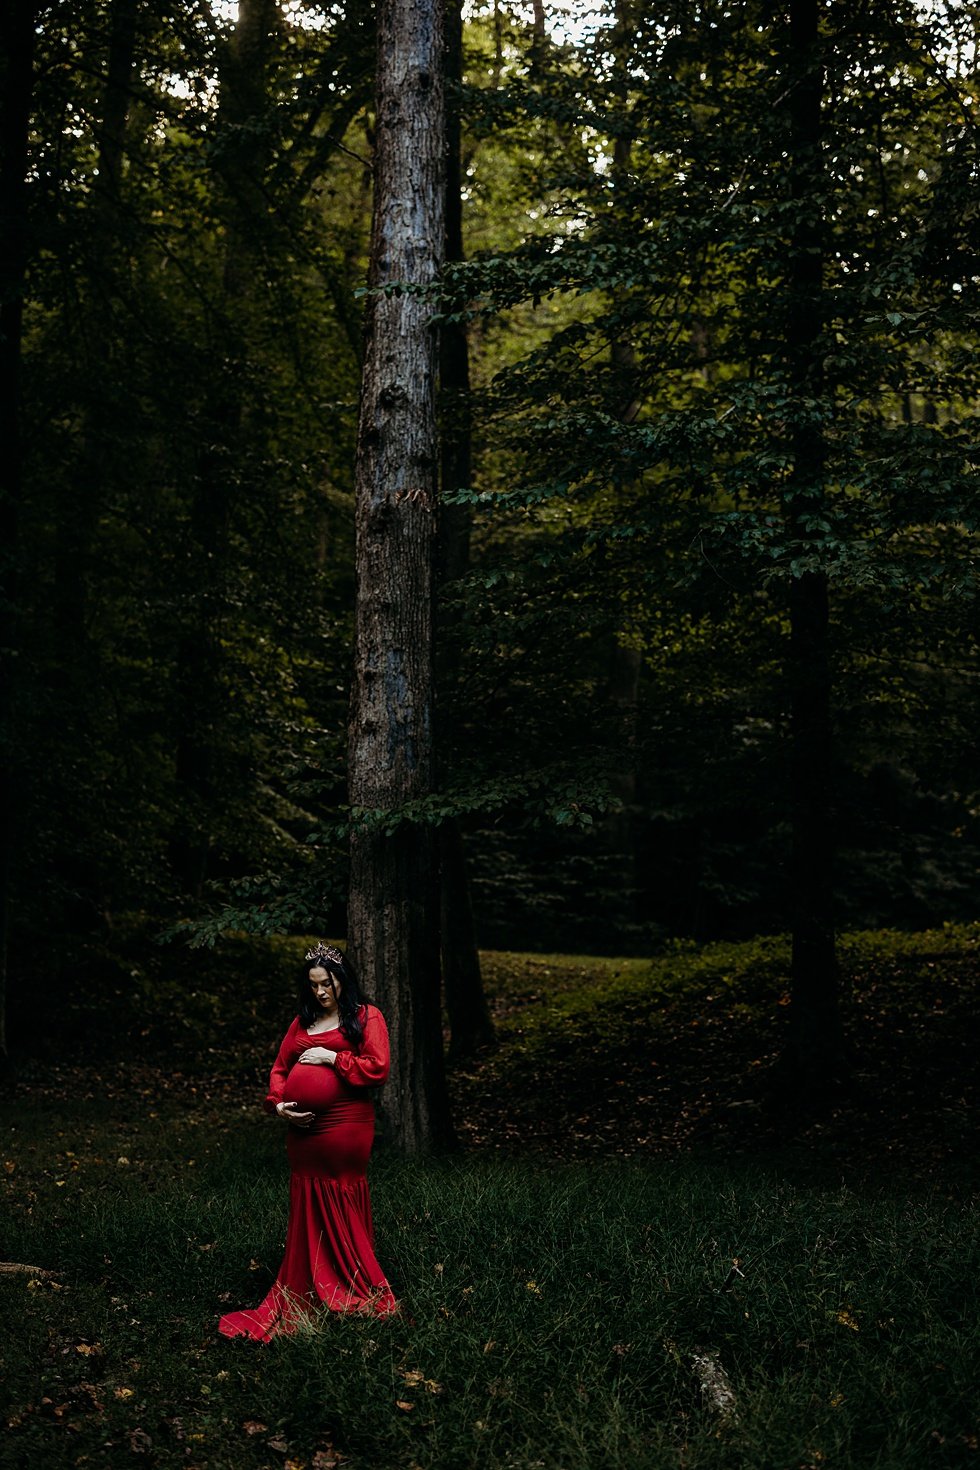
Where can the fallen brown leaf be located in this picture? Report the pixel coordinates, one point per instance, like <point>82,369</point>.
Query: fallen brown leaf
<point>327,1459</point>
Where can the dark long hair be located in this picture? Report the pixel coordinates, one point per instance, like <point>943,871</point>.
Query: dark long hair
<point>349,999</point>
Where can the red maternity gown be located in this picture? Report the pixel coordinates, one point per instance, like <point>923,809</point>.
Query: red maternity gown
<point>329,1259</point>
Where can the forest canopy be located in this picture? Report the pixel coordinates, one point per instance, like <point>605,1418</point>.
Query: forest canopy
<point>709,460</point>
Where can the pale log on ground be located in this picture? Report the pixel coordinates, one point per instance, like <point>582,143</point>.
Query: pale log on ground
<point>716,1391</point>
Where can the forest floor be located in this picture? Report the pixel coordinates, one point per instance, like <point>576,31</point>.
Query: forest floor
<point>630,1200</point>
<point>632,1057</point>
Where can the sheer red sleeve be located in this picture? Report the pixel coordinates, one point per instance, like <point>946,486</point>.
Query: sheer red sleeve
<point>281,1068</point>
<point>369,1066</point>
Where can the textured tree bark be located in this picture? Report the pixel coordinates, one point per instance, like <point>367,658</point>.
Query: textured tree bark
<point>17,20</point>
<point>393,912</point>
<point>815,1051</point>
<point>470,1024</point>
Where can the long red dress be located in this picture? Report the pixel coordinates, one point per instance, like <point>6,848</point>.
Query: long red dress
<point>329,1259</point>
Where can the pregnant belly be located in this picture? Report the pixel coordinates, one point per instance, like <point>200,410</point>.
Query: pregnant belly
<point>315,1087</point>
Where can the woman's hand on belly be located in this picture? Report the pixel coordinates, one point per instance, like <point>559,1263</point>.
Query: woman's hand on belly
<point>293,1113</point>
<point>321,1054</point>
<point>314,1088</point>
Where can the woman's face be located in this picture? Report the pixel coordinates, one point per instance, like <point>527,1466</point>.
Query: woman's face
<point>325,987</point>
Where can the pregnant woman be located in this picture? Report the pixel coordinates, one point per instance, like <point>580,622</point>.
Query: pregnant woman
<point>334,1052</point>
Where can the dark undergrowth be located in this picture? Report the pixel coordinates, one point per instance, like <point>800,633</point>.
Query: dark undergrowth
<point>602,1057</point>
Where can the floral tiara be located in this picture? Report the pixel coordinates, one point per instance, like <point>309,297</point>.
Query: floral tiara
<point>325,952</point>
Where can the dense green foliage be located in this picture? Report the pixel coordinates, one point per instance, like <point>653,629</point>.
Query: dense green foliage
<point>191,369</point>
<point>652,495</point>
<point>614,733</point>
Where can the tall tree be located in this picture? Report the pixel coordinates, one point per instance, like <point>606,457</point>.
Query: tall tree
<point>106,267</point>
<point>625,659</point>
<point>16,76</point>
<point>816,1044</point>
<point>470,1024</point>
<point>242,162</point>
<point>393,905</point>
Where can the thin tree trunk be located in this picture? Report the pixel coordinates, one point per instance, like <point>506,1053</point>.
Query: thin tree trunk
<point>470,1025</point>
<point>17,31</point>
<point>201,705</point>
<point>623,692</point>
<point>118,91</point>
<point>101,352</point>
<point>815,1053</point>
<point>393,909</point>
<point>497,69</point>
<point>625,662</point>
<point>79,512</point>
<point>245,115</point>
<point>470,1022</point>
<point>539,36</point>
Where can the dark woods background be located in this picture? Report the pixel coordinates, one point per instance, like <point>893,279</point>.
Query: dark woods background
<point>712,494</point>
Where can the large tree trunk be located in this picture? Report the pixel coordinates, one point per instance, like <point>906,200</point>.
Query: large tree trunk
<point>394,894</point>
<point>470,1025</point>
<point>17,22</point>
<point>815,1053</point>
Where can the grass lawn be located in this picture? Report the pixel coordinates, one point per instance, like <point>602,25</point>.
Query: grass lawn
<point>555,1296</point>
